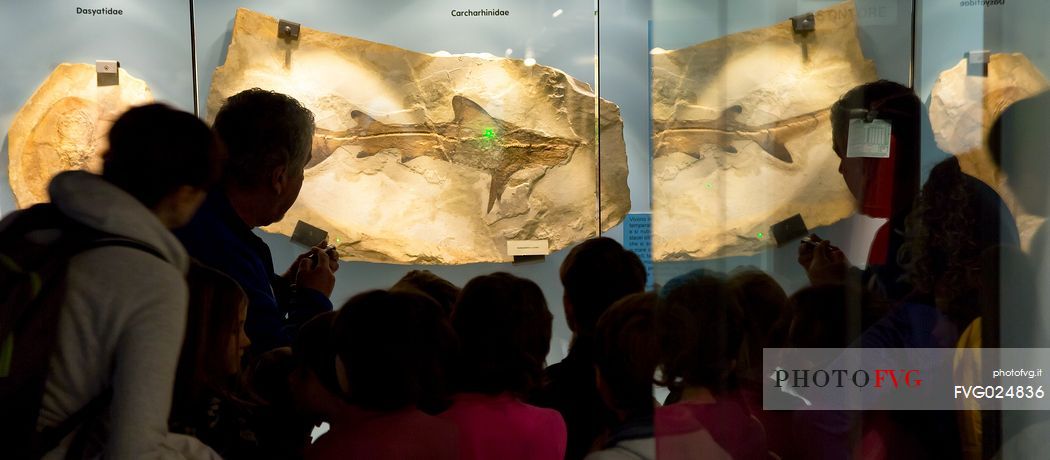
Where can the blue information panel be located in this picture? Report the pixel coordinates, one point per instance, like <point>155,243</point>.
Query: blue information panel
<point>638,237</point>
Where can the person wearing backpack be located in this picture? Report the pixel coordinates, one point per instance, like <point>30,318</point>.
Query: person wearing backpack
<point>121,294</point>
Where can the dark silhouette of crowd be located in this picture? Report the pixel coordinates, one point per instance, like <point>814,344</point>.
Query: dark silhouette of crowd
<point>186,343</point>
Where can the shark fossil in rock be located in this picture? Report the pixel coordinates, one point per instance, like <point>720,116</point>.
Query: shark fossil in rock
<point>473,138</point>
<point>725,131</point>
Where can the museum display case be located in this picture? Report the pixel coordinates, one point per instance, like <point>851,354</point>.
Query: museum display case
<point>463,139</point>
<point>471,138</point>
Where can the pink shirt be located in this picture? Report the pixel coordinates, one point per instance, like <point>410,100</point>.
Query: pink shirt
<point>723,429</point>
<point>503,427</point>
<point>402,435</point>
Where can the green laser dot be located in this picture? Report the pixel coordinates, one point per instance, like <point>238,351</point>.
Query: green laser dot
<point>761,235</point>
<point>490,133</point>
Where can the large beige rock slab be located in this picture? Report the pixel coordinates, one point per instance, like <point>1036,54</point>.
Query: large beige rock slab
<point>963,109</point>
<point>742,136</point>
<point>435,158</point>
<point>63,126</point>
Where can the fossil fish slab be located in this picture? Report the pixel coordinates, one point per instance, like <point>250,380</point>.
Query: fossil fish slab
<point>435,158</point>
<point>63,126</point>
<point>742,135</point>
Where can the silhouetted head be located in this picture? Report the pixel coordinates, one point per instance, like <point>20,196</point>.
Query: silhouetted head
<point>423,281</point>
<point>595,274</point>
<point>163,157</point>
<point>626,354</point>
<point>269,377</point>
<point>883,187</point>
<point>1019,142</point>
<point>269,137</point>
<point>700,332</point>
<point>762,301</point>
<point>504,330</point>
<point>393,348</point>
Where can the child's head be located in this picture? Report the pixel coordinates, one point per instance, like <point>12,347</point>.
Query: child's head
<point>215,341</point>
<point>821,316</point>
<point>626,354</point>
<point>761,299</point>
<point>700,332</point>
<point>392,350</point>
<point>425,282</point>
<point>504,329</point>
<point>595,274</point>
<point>314,384</point>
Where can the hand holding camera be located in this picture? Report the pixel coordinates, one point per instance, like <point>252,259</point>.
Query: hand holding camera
<point>824,263</point>
<point>315,269</point>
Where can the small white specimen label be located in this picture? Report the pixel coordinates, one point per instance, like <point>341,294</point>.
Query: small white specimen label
<point>528,248</point>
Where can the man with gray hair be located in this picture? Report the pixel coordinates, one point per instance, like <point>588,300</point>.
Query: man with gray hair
<point>268,136</point>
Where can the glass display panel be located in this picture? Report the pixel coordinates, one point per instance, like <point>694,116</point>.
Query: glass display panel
<point>716,202</point>
<point>939,240</point>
